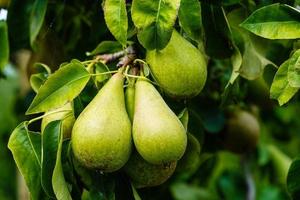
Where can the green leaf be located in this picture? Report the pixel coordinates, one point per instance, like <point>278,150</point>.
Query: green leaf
<point>135,193</point>
<point>293,179</point>
<point>184,118</point>
<point>116,19</point>
<point>59,183</point>
<point>38,13</point>
<point>294,70</point>
<point>276,21</point>
<point>183,191</point>
<point>252,48</point>
<point>190,18</point>
<point>42,68</point>
<point>62,86</point>
<point>106,47</point>
<point>154,20</point>
<point>281,163</point>
<point>50,142</point>
<point>37,80</point>
<point>253,63</point>
<point>26,149</point>
<point>100,68</point>
<point>280,88</point>
<point>218,42</point>
<point>236,60</point>
<point>18,21</point>
<point>4,52</point>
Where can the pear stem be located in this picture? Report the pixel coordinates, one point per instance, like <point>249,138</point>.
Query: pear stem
<point>126,72</point>
<point>88,61</point>
<point>46,114</point>
<point>103,73</point>
<point>140,61</point>
<point>141,77</point>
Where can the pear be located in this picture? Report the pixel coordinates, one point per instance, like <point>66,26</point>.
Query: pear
<point>64,113</point>
<point>101,137</point>
<point>241,133</point>
<point>179,68</point>
<point>129,99</point>
<point>158,135</point>
<point>144,174</point>
<point>190,161</point>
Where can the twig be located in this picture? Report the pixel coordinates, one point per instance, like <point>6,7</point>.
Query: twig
<point>105,58</point>
<point>126,60</point>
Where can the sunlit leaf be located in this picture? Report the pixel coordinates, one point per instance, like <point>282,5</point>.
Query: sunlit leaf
<point>26,149</point>
<point>62,86</point>
<point>59,183</point>
<point>154,20</point>
<point>116,19</point>
<point>280,88</point>
<point>294,70</point>
<point>50,142</point>
<point>190,18</point>
<point>37,80</point>
<point>276,21</point>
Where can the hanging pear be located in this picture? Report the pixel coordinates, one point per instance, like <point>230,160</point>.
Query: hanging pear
<point>101,137</point>
<point>143,174</point>
<point>64,113</point>
<point>158,135</point>
<point>179,68</point>
<point>241,133</point>
<point>129,99</point>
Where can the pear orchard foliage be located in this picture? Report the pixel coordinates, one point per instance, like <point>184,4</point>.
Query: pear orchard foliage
<point>173,103</point>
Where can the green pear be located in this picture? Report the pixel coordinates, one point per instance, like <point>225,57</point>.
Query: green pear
<point>101,137</point>
<point>179,68</point>
<point>64,113</point>
<point>190,161</point>
<point>242,132</point>
<point>129,99</point>
<point>158,135</point>
<point>144,174</point>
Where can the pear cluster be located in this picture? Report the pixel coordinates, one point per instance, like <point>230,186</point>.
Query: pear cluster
<point>137,130</point>
<point>103,135</point>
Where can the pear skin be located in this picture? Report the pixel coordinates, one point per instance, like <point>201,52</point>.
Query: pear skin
<point>129,99</point>
<point>101,137</point>
<point>179,68</point>
<point>64,113</point>
<point>158,135</point>
<point>143,174</point>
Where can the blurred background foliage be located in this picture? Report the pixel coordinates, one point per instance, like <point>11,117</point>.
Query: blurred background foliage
<point>72,28</point>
